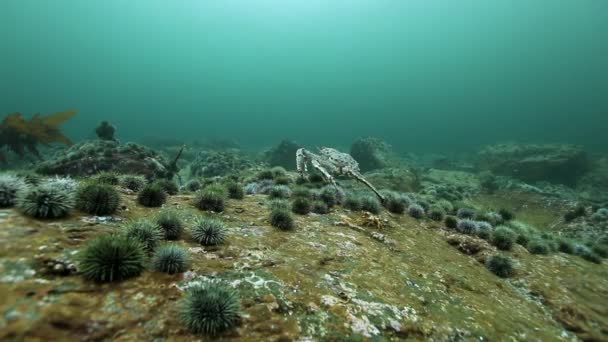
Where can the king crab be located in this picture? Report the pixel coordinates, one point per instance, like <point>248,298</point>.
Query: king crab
<point>331,162</point>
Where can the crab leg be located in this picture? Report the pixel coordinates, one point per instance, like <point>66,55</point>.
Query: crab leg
<point>328,177</point>
<point>301,160</point>
<point>360,178</point>
<point>303,157</point>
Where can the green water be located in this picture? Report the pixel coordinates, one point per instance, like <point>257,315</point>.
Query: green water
<point>424,75</point>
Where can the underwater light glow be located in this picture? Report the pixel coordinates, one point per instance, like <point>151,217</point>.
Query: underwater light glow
<point>241,170</point>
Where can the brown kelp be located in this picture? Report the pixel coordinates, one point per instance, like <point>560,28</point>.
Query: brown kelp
<point>21,135</point>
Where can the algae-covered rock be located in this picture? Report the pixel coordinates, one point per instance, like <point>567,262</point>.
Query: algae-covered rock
<point>284,154</point>
<point>594,185</point>
<point>371,153</point>
<point>344,275</point>
<point>450,185</point>
<point>93,156</point>
<point>557,163</point>
<point>211,163</point>
<point>398,179</point>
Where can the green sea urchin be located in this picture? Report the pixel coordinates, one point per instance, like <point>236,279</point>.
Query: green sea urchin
<point>193,185</point>
<point>107,177</point>
<point>97,199</point>
<point>331,195</point>
<point>279,191</point>
<point>370,203</point>
<point>211,198</point>
<point>146,232</point>
<point>416,210</point>
<point>301,206</point>
<point>352,203</point>
<point>395,202</point>
<point>45,201</point>
<point>209,309</point>
<point>171,223</point>
<point>112,258</point>
<point>168,185</point>
<point>500,265</point>
<point>436,213</point>
<point>133,182</point>
<point>538,246</point>
<point>281,219</point>
<point>451,222</point>
<point>466,226</point>
<point>235,190</point>
<point>319,207</point>
<point>503,238</point>
<point>170,259</point>
<point>208,232</point>
<point>152,195</point>
<point>466,213</point>
<point>10,186</point>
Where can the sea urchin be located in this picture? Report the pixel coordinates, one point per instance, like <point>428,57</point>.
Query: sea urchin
<point>45,202</point>
<point>209,309</point>
<point>111,258</point>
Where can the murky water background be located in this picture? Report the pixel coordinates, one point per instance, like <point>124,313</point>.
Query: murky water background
<point>424,75</point>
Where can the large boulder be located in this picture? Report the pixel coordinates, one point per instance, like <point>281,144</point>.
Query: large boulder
<point>371,153</point>
<point>449,184</point>
<point>555,163</point>
<point>214,163</point>
<point>398,179</point>
<point>594,185</point>
<point>284,154</point>
<point>92,156</point>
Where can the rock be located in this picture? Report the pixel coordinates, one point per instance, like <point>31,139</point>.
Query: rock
<point>555,163</point>
<point>371,153</point>
<point>449,185</point>
<point>398,179</point>
<point>284,154</point>
<point>594,185</point>
<point>211,164</point>
<point>90,157</point>
<point>105,131</point>
<point>59,267</point>
<point>450,163</point>
<point>489,182</point>
<point>467,244</point>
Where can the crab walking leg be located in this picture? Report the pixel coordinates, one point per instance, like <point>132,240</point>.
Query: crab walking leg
<point>301,161</point>
<point>329,178</point>
<point>360,178</point>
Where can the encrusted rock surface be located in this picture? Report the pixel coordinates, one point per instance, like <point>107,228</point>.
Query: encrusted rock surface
<point>92,156</point>
<point>284,154</point>
<point>397,178</point>
<point>322,281</point>
<point>371,153</point>
<point>594,185</point>
<point>211,163</point>
<point>559,163</point>
<point>450,185</point>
